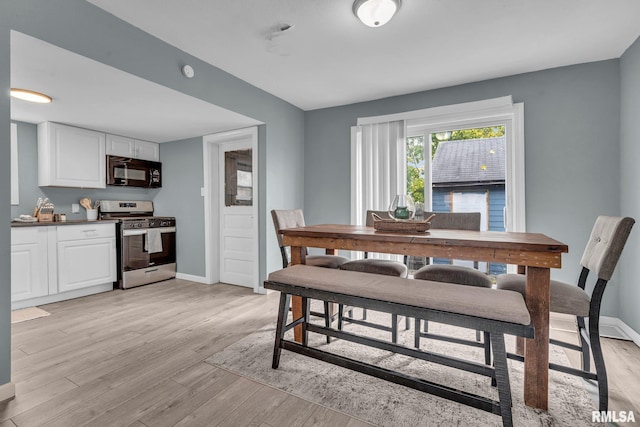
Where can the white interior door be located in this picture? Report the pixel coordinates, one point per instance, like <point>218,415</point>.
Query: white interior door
<point>238,211</point>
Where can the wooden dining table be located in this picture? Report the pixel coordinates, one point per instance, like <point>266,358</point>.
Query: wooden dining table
<point>534,253</point>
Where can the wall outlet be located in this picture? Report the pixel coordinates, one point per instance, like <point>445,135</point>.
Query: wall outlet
<point>75,208</point>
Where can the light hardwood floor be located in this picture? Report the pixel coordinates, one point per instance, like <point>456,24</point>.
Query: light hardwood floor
<point>136,358</point>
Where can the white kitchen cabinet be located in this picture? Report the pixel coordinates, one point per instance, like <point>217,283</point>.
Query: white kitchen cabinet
<point>54,263</point>
<point>70,157</point>
<point>86,256</point>
<point>134,148</point>
<point>29,277</point>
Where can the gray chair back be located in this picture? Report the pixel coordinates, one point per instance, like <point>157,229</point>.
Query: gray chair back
<point>456,221</point>
<point>605,245</point>
<point>286,218</point>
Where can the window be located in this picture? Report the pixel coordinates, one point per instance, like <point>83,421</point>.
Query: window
<point>464,172</point>
<point>238,182</point>
<point>424,125</point>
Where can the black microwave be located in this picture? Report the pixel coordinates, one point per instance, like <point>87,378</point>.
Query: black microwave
<point>128,172</point>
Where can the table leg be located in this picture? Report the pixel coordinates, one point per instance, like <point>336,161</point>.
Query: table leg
<point>297,257</point>
<point>536,360</point>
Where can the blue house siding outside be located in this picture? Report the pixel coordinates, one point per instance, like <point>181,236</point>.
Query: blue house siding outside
<point>441,202</point>
<point>475,168</point>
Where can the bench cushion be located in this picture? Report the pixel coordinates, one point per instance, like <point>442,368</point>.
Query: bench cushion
<point>505,306</point>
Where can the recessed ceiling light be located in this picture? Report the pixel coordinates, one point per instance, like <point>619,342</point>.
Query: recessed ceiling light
<point>31,96</point>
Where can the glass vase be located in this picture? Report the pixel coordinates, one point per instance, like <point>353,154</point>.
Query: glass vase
<point>402,207</point>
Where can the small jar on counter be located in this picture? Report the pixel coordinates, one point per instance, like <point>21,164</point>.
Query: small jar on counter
<point>63,217</point>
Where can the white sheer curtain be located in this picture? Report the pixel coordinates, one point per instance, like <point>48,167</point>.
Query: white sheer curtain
<point>378,167</point>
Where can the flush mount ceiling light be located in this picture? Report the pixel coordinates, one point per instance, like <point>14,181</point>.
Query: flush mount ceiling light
<point>31,96</point>
<point>375,13</point>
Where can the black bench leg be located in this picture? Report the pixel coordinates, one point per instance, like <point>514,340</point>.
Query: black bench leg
<point>327,319</point>
<point>340,315</point>
<point>283,311</point>
<point>502,378</point>
<point>416,334</point>
<point>306,308</point>
<point>394,328</point>
<point>487,348</point>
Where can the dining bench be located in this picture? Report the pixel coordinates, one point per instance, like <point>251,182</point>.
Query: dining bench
<point>494,311</point>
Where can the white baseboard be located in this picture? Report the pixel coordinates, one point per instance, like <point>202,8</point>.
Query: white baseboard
<point>192,278</point>
<point>48,299</point>
<point>200,279</point>
<point>616,328</point>
<point>7,391</point>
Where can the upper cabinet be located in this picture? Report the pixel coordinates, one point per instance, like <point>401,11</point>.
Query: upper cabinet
<point>134,148</point>
<point>70,157</point>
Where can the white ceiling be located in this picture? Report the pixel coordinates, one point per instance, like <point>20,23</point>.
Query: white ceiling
<point>92,95</point>
<point>329,58</point>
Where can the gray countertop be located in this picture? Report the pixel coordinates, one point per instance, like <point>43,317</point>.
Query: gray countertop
<point>56,223</point>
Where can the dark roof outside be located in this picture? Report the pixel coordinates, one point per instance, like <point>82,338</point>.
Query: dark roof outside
<point>470,160</point>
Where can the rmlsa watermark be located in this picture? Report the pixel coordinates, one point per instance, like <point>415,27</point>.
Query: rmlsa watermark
<point>613,417</point>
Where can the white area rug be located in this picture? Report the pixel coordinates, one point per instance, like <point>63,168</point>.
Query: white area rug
<point>385,404</point>
<point>25,314</point>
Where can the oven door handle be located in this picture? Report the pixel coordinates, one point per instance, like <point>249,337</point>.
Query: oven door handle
<point>137,232</point>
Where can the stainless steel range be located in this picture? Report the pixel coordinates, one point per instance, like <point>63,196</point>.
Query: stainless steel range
<point>146,243</point>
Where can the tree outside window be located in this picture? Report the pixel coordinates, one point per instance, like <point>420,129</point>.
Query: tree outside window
<point>415,153</point>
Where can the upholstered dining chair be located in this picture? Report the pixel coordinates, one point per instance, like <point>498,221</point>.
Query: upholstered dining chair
<point>456,274</point>
<point>293,218</point>
<point>374,266</point>
<point>600,256</point>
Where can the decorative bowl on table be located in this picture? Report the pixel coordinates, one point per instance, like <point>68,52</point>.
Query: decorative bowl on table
<point>401,213</point>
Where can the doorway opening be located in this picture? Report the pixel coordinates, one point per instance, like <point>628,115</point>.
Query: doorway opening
<point>231,209</point>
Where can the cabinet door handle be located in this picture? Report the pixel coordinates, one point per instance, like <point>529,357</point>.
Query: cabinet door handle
<point>150,271</point>
<point>90,231</point>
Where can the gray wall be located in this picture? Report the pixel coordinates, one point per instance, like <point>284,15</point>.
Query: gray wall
<point>572,151</point>
<point>84,29</point>
<point>5,206</point>
<point>182,178</point>
<point>630,182</point>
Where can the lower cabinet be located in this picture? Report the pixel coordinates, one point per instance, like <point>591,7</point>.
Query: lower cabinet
<point>86,256</point>
<point>53,263</point>
<point>29,263</point>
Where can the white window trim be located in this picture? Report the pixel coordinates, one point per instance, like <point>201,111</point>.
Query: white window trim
<point>478,114</point>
